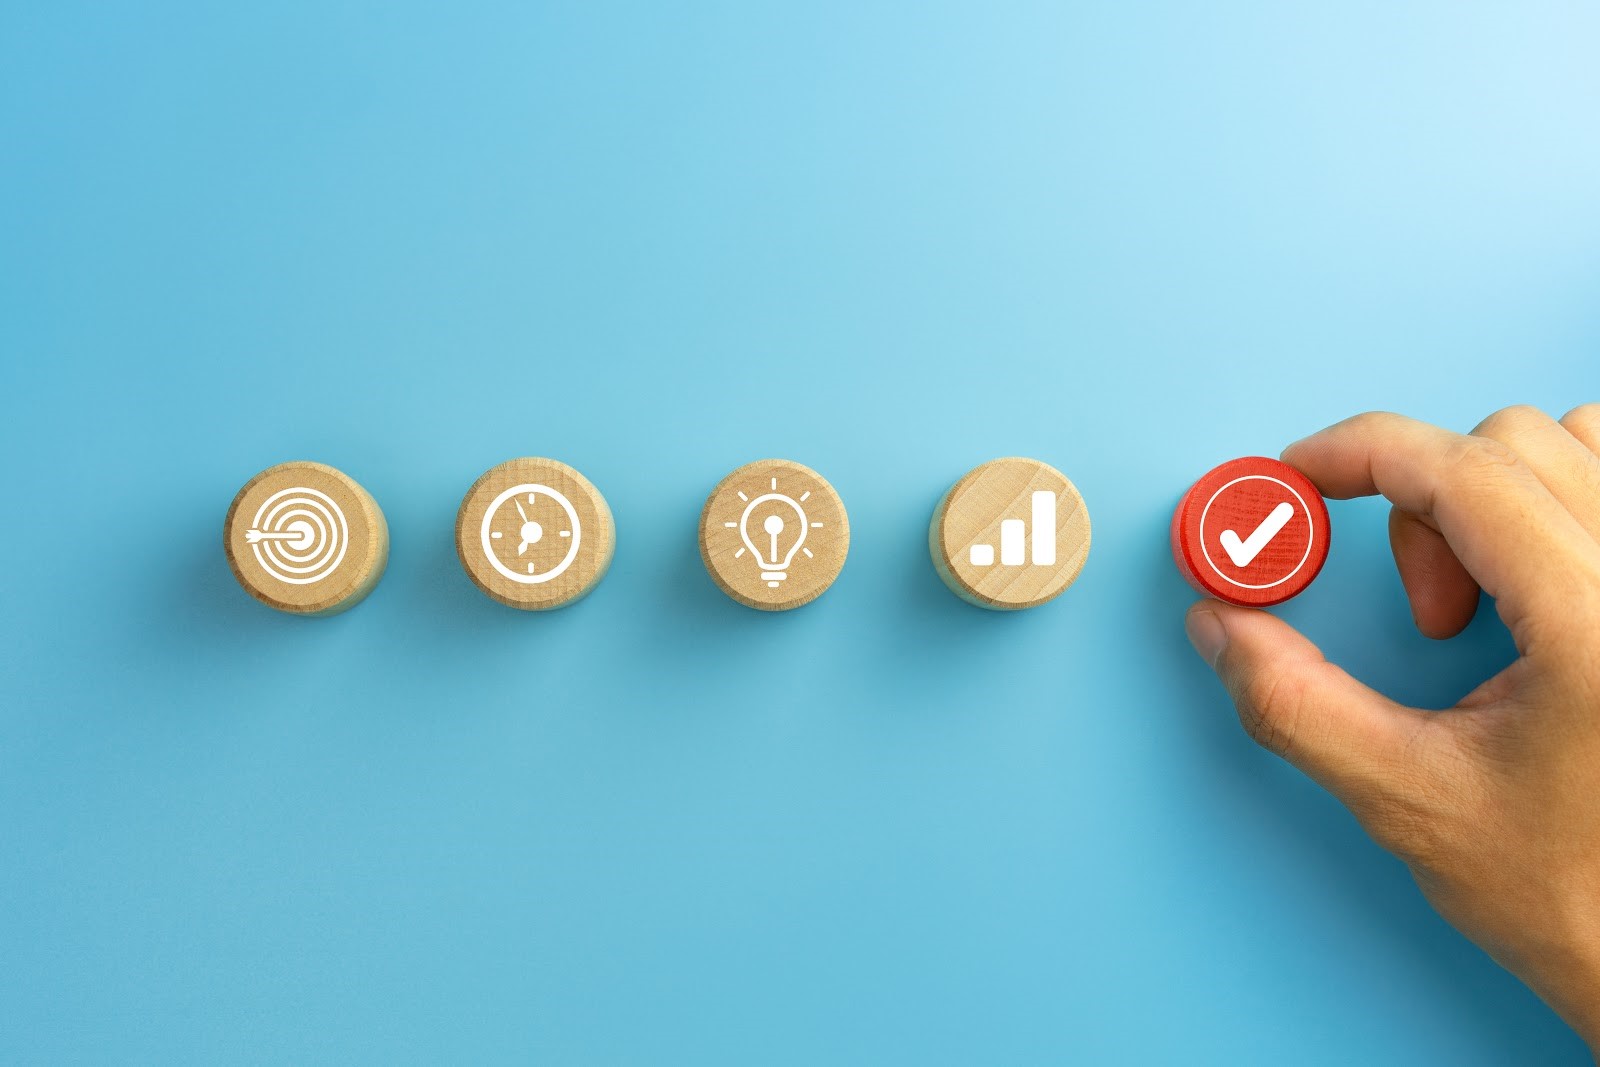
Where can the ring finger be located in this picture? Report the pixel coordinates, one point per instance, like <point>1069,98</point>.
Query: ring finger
<point>1567,465</point>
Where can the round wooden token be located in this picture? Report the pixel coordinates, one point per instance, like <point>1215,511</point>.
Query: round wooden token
<point>1012,533</point>
<point>534,534</point>
<point>1252,532</point>
<point>774,535</point>
<point>305,538</point>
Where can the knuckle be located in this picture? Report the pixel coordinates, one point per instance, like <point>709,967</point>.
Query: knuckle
<point>1270,705</point>
<point>1375,422</point>
<point>1511,421</point>
<point>1583,421</point>
<point>1472,457</point>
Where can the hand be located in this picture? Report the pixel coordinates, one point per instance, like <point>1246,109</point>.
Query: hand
<point>1493,804</point>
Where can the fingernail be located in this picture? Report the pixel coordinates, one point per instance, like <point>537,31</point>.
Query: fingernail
<point>1206,633</point>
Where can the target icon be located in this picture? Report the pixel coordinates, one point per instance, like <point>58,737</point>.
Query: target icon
<point>299,535</point>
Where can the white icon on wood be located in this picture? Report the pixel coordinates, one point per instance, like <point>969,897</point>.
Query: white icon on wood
<point>1244,551</point>
<point>527,531</point>
<point>1014,538</point>
<point>298,535</point>
<point>775,539</point>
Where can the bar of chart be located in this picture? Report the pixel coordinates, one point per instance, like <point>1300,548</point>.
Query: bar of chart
<point>1017,545</point>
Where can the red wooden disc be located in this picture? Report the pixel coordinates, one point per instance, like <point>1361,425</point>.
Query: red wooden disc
<point>1252,532</point>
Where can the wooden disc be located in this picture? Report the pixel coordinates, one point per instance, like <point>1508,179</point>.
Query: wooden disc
<point>534,534</point>
<point>305,538</point>
<point>1012,533</point>
<point>1252,532</point>
<point>774,535</point>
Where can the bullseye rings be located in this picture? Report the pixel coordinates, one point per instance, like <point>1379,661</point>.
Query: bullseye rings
<point>305,538</point>
<point>299,535</point>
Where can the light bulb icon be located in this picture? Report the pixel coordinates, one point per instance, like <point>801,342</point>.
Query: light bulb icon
<point>779,534</point>
<point>773,535</point>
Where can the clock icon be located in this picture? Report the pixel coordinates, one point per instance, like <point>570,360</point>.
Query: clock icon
<point>530,534</point>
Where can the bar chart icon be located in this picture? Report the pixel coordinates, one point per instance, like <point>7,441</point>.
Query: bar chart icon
<point>1015,540</point>
<point>1010,534</point>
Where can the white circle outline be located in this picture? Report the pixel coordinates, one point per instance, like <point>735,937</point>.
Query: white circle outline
<point>320,541</point>
<point>1310,525</point>
<point>323,543</point>
<point>312,565</point>
<point>530,579</point>
<point>312,560</point>
<point>338,538</point>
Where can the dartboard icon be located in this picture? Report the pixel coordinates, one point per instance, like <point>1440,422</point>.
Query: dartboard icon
<point>299,535</point>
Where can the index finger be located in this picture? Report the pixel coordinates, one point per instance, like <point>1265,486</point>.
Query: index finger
<point>1515,539</point>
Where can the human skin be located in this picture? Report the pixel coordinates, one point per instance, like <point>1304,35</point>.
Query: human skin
<point>1493,804</point>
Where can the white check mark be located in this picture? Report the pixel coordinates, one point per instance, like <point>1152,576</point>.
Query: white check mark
<point>1242,552</point>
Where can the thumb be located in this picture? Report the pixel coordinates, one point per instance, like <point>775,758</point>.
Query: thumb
<point>1293,702</point>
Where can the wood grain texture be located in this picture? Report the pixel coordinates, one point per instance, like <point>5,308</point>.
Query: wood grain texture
<point>305,538</point>
<point>1231,506</point>
<point>534,534</point>
<point>992,540</point>
<point>786,564</point>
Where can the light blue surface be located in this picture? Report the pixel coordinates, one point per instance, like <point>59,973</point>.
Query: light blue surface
<point>658,241</point>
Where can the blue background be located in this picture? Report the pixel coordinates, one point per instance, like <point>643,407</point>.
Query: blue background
<point>658,241</point>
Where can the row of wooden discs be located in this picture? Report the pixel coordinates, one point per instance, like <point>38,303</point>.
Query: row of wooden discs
<point>536,534</point>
